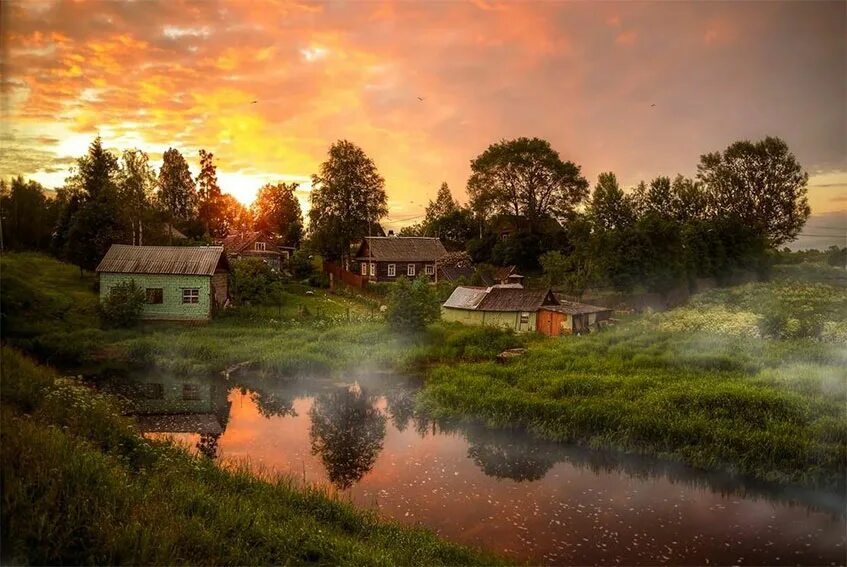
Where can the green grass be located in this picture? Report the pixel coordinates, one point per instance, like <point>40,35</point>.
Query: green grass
<point>80,486</point>
<point>697,385</point>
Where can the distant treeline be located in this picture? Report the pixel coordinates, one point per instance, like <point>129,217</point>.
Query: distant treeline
<point>527,207</point>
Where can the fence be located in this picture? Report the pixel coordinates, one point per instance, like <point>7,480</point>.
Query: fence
<point>340,274</point>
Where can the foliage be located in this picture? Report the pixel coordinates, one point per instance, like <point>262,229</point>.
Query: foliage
<point>277,210</point>
<point>300,264</point>
<point>761,185</point>
<point>123,305</point>
<point>527,179</point>
<point>210,203</point>
<point>136,183</point>
<point>235,216</point>
<point>27,216</point>
<point>412,305</point>
<point>81,486</point>
<point>347,198</point>
<point>253,281</point>
<point>555,267</point>
<point>177,192</point>
<point>609,208</point>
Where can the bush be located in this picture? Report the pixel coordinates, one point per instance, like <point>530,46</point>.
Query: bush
<point>253,281</point>
<point>123,305</point>
<point>412,305</point>
<point>301,265</point>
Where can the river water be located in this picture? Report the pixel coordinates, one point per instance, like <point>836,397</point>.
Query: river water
<point>506,491</point>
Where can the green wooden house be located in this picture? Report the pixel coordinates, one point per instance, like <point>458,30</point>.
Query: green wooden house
<point>180,282</point>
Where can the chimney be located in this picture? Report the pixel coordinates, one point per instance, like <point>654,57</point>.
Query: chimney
<point>390,232</point>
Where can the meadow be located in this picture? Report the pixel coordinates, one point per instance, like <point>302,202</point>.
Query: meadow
<point>749,380</point>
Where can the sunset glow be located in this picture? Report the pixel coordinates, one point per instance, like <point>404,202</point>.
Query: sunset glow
<point>423,87</point>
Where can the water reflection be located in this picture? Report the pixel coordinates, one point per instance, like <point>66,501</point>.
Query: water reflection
<point>536,500</point>
<point>347,432</point>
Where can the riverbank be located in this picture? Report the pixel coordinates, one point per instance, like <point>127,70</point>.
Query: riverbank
<point>747,380</point>
<point>81,486</point>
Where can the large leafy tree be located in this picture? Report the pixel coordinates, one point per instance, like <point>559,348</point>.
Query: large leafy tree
<point>443,205</point>
<point>210,206</point>
<point>446,220</point>
<point>525,178</point>
<point>136,184</point>
<point>27,216</point>
<point>177,192</point>
<point>277,210</point>
<point>348,198</point>
<point>235,217</point>
<point>609,207</point>
<point>760,184</point>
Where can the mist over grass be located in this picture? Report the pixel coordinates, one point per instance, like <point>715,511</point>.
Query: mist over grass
<point>701,384</point>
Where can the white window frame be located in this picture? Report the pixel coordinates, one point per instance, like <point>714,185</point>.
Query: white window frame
<point>373,269</point>
<point>364,268</point>
<point>429,269</point>
<point>392,270</point>
<point>191,295</point>
<point>260,246</point>
<point>410,270</point>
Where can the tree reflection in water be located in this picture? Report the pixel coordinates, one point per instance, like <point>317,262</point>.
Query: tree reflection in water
<point>272,404</point>
<point>500,455</point>
<point>347,432</point>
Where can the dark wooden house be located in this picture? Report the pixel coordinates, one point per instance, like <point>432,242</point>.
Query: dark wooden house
<point>253,244</point>
<point>386,258</point>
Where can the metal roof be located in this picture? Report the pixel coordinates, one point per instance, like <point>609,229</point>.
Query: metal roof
<point>183,260</point>
<point>466,297</point>
<point>401,249</point>
<point>574,308</point>
<point>499,298</point>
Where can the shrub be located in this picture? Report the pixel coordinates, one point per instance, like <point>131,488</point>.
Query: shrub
<point>301,265</point>
<point>123,305</point>
<point>253,281</point>
<point>412,305</point>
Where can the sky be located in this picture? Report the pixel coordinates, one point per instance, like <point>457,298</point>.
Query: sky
<point>638,88</point>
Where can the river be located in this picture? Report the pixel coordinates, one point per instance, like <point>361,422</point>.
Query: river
<point>506,491</point>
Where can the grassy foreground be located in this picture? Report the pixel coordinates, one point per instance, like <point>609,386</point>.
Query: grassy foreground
<point>748,380</point>
<point>80,486</point>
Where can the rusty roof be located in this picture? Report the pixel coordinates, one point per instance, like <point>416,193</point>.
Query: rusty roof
<point>183,260</point>
<point>401,249</point>
<point>574,308</point>
<point>500,298</point>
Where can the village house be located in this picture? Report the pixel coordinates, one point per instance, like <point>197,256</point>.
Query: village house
<point>179,282</point>
<point>385,258</point>
<point>255,244</point>
<point>523,310</point>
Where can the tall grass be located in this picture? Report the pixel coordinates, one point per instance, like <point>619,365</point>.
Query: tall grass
<point>80,486</point>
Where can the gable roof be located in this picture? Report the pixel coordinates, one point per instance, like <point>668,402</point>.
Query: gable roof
<point>401,248</point>
<point>499,298</point>
<point>453,273</point>
<point>183,260</point>
<point>243,242</point>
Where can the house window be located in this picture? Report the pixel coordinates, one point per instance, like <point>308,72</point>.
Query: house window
<point>364,268</point>
<point>260,246</point>
<point>410,270</point>
<point>153,391</point>
<point>191,295</point>
<point>430,269</point>
<point>154,295</point>
<point>190,392</point>
<point>392,270</point>
<point>373,268</point>
<point>524,318</point>
<point>504,236</point>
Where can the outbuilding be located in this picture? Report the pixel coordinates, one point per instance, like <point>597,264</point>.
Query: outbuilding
<point>179,282</point>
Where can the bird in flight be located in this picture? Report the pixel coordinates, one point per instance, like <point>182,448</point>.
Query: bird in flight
<point>420,98</point>
<point>652,105</point>
<point>255,101</point>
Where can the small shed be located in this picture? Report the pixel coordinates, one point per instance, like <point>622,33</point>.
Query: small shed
<point>508,306</point>
<point>179,282</point>
<point>570,317</point>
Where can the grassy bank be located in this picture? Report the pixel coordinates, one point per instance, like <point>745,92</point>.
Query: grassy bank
<point>703,384</point>
<point>80,486</point>
<point>51,312</point>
